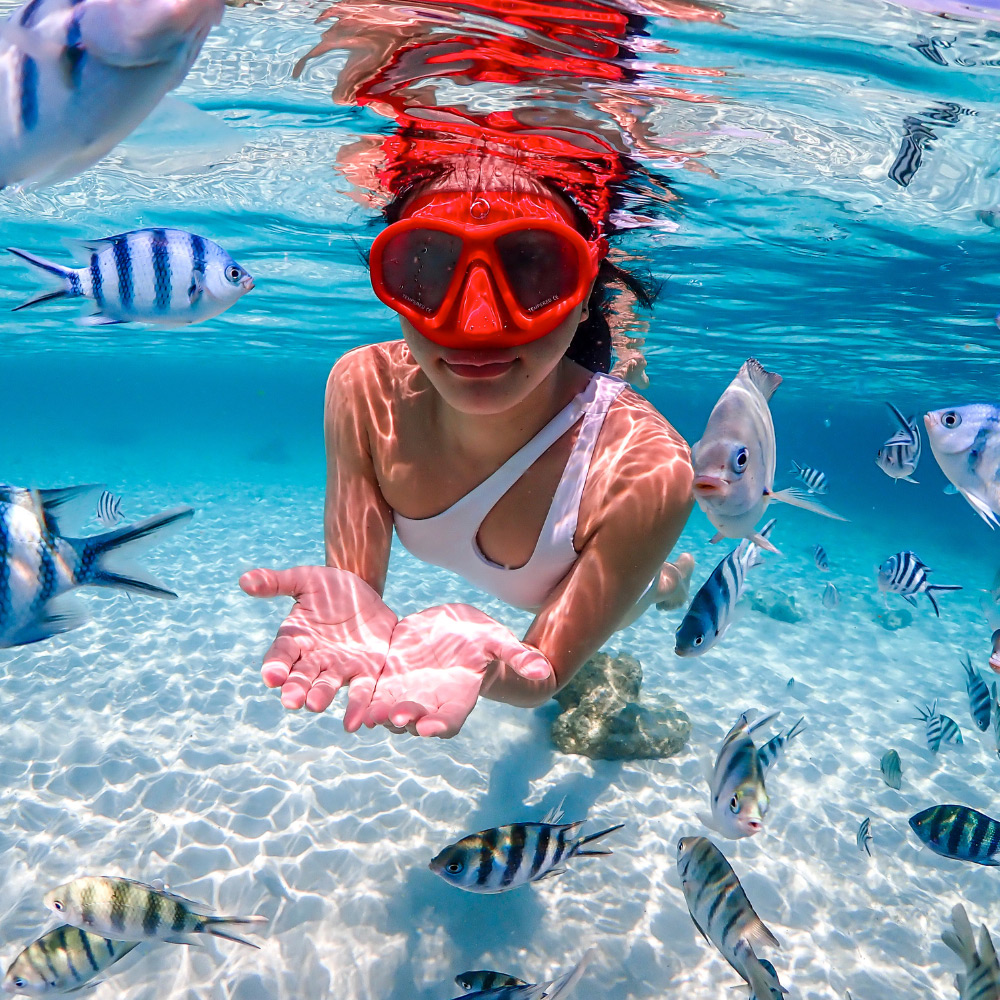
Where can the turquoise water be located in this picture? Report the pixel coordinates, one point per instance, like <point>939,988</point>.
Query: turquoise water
<point>144,744</point>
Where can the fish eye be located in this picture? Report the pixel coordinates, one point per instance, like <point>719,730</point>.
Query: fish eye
<point>734,804</point>
<point>740,459</point>
<point>19,983</point>
<point>57,905</point>
<point>680,846</point>
<point>454,867</point>
<point>951,419</point>
<point>233,273</point>
<point>699,640</point>
<point>465,984</point>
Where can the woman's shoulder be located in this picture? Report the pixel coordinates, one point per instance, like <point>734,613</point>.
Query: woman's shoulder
<point>633,423</point>
<point>372,362</point>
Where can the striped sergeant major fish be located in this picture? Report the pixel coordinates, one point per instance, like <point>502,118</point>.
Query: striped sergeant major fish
<point>981,979</point>
<point>980,704</point>
<point>918,134</point>
<point>821,559</point>
<point>109,509</point>
<point>904,574</point>
<point>892,769</point>
<point>899,456</point>
<point>507,857</point>
<point>62,961</point>
<point>768,754</point>
<point>711,611</point>
<point>722,913</point>
<point>168,277</point>
<point>557,988</point>
<point>78,76</point>
<point>483,980</point>
<point>864,837</point>
<point>831,596</point>
<point>958,832</point>
<point>38,567</point>
<point>738,797</point>
<point>813,480</point>
<point>938,728</point>
<point>121,908</point>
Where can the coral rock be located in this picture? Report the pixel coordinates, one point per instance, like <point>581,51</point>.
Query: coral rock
<point>774,604</point>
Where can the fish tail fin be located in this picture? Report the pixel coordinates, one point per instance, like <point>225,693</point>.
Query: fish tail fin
<point>762,981</point>
<point>590,838</point>
<point>564,985</point>
<point>68,288</point>
<point>931,587</point>
<point>103,558</point>
<point>796,729</point>
<point>218,927</point>
<point>765,381</point>
<point>960,939</point>
<point>796,498</point>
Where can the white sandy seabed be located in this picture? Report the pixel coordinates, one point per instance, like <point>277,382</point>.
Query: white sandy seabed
<point>144,744</point>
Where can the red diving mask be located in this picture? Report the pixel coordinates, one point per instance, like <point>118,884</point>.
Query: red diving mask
<point>493,269</point>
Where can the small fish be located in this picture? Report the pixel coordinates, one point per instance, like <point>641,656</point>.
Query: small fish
<point>981,979</point>
<point>109,509</point>
<point>864,837</point>
<point>831,598</point>
<point>769,753</point>
<point>41,566</point>
<point>979,696</point>
<point>561,987</point>
<point>918,134</point>
<point>899,456</point>
<point>906,575</point>
<point>928,48</point>
<point>711,611</point>
<point>77,76</point>
<point>483,980</point>
<point>167,277</point>
<point>507,857</point>
<point>722,913</point>
<point>965,441</point>
<point>892,770</point>
<point>775,992</point>
<point>938,728</point>
<point>737,794</point>
<point>62,961</point>
<point>120,908</point>
<point>959,833</point>
<point>813,480</point>
<point>992,614</point>
<point>821,560</point>
<point>996,718</point>
<point>734,462</point>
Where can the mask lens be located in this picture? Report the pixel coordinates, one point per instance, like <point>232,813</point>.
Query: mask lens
<point>418,266</point>
<point>540,267</point>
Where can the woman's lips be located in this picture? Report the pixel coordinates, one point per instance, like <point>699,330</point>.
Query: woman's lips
<point>482,366</point>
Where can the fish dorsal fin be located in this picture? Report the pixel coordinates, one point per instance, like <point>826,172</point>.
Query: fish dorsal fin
<point>766,382</point>
<point>555,815</point>
<point>84,248</point>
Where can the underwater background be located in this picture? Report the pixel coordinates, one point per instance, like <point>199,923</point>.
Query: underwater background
<point>145,743</point>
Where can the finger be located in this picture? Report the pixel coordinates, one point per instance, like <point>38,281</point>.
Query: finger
<point>395,729</point>
<point>530,663</point>
<point>379,709</point>
<point>271,582</point>
<point>295,690</point>
<point>445,722</point>
<point>279,660</point>
<point>359,697</point>
<point>406,712</point>
<point>322,693</point>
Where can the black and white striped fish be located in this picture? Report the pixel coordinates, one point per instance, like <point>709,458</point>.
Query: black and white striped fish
<point>906,575</point>
<point>917,134</point>
<point>554,990</point>
<point>77,76</point>
<point>831,597</point>
<point>813,480</point>
<point>769,753</point>
<point>109,509</point>
<point>892,769</point>
<point>938,728</point>
<point>62,961</point>
<point>959,832</point>
<point>820,558</point>
<point>481,980</point>
<point>899,456</point>
<point>168,277</point>
<point>121,908</point>
<point>864,837</point>
<point>979,696</point>
<point>722,913</point>
<point>996,718</point>
<point>507,857</point>
<point>711,610</point>
<point>981,979</point>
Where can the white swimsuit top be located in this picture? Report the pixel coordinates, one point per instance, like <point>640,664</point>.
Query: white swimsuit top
<point>449,539</point>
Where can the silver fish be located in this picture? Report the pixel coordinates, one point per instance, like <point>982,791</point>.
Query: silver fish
<point>722,913</point>
<point>892,770</point>
<point>769,753</point>
<point>711,611</point>
<point>121,908</point>
<point>864,837</point>
<point>904,574</point>
<point>981,979</point>
<point>507,857</point>
<point>77,76</point>
<point>168,277</point>
<point>38,567</point>
<point>899,456</point>
<point>831,597</point>
<point>966,443</point>
<point>482,980</point>
<point>821,560</point>
<point>813,480</point>
<point>734,462</point>
<point>738,797</point>
<point>109,509</point>
<point>979,696</point>
<point>62,961</point>
<point>561,987</point>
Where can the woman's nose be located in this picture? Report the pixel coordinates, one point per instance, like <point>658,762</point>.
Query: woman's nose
<point>479,311</point>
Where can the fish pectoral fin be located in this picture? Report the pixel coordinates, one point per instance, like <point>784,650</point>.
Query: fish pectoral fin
<point>716,538</point>
<point>910,479</point>
<point>950,489</point>
<point>31,43</point>
<point>757,933</point>
<point>909,598</point>
<point>980,506</point>
<point>197,287</point>
<point>61,614</point>
<point>796,498</point>
<point>762,543</point>
<point>98,319</point>
<point>179,939</point>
